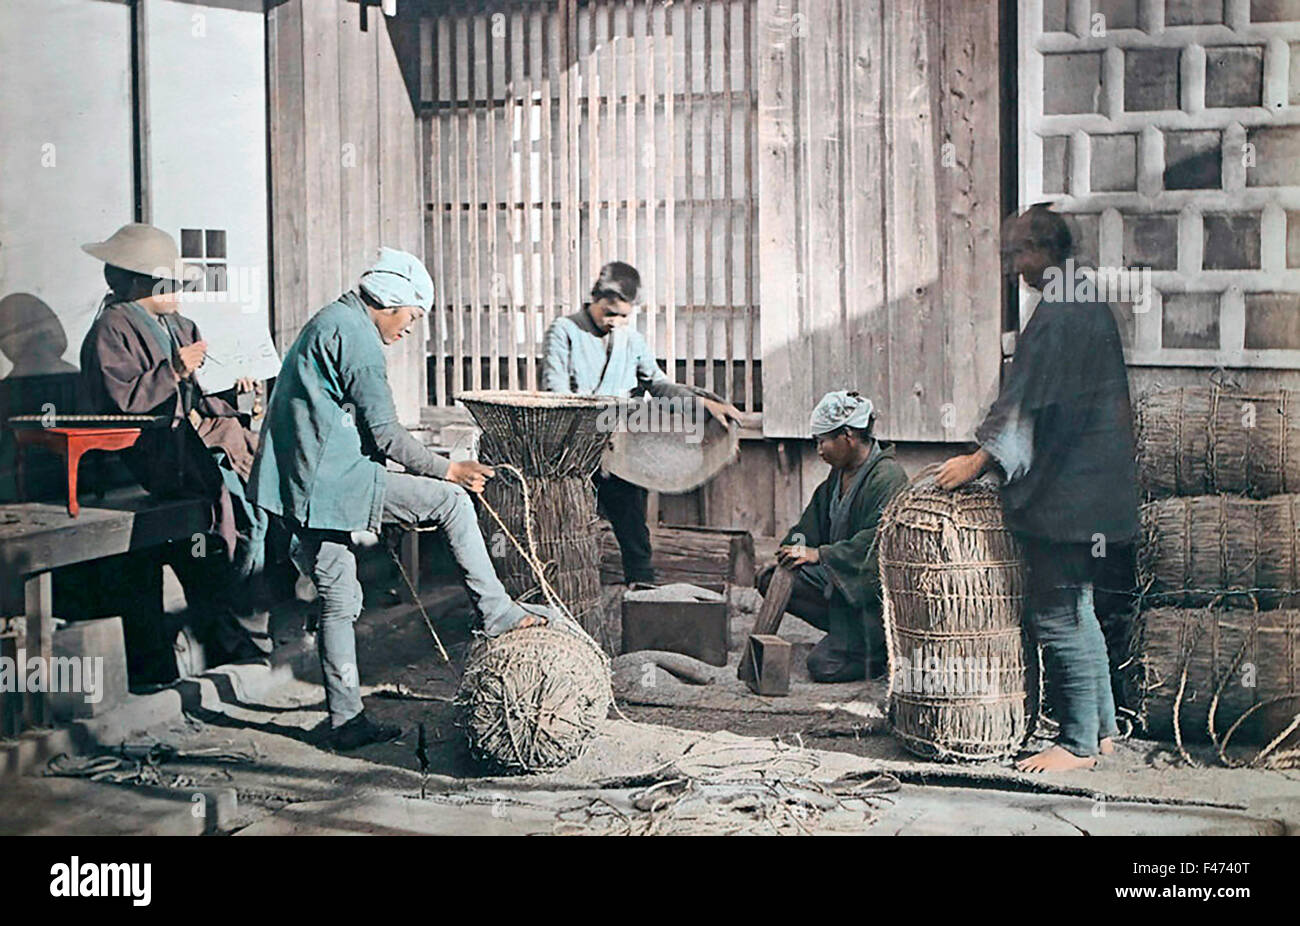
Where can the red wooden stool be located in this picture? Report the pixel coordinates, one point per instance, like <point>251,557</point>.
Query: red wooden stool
<point>72,436</point>
<point>71,444</point>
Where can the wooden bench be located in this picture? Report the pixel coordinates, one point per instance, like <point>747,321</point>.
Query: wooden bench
<point>38,537</point>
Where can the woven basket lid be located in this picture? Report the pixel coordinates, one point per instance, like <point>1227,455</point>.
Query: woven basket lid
<point>543,433</point>
<point>672,461</point>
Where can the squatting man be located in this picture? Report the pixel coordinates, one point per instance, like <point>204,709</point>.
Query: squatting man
<point>330,425</point>
<point>832,550</point>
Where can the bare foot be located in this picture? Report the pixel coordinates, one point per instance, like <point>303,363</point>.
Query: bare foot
<point>1055,759</point>
<point>531,620</point>
<point>1106,746</point>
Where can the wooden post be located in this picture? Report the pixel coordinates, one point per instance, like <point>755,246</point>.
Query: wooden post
<point>38,591</point>
<point>411,559</point>
<point>769,616</point>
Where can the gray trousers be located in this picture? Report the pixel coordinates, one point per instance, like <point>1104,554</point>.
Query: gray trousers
<point>1076,667</point>
<point>327,557</point>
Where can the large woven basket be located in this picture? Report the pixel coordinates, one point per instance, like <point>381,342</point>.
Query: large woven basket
<point>963,684</point>
<point>1220,549</point>
<point>542,433</point>
<point>1201,440</point>
<point>1211,674</point>
<point>566,532</point>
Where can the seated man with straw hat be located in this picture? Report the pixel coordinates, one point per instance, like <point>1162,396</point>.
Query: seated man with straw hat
<point>330,426</point>
<point>832,550</point>
<point>139,357</point>
<point>596,352</point>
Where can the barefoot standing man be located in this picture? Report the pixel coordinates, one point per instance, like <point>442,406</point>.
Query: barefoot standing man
<point>1061,431</point>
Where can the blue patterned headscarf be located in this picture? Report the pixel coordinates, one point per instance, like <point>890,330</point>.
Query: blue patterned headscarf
<point>837,409</point>
<point>398,278</point>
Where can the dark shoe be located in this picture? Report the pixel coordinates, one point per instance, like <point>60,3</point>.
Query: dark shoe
<point>359,731</point>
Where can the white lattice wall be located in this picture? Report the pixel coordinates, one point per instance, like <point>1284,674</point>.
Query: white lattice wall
<point>1170,131</point>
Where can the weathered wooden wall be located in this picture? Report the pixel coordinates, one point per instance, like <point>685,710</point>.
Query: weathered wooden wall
<point>345,162</point>
<point>879,210</point>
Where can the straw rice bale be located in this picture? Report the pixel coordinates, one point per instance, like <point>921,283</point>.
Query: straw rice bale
<point>1245,665</point>
<point>963,682</point>
<point>544,434</point>
<point>1221,549</point>
<point>1202,440</point>
<point>556,442</point>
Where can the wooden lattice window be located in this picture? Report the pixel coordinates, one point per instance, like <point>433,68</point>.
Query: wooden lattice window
<point>562,135</point>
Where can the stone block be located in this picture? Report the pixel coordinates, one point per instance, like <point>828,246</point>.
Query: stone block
<point>1190,321</point>
<point>1293,239</point>
<point>1193,12</point>
<point>1151,79</point>
<point>101,643</point>
<point>1056,164</point>
<point>1274,11</point>
<point>1193,160</point>
<point>1234,76</point>
<point>1114,163</point>
<point>678,619</point>
<point>1273,321</point>
<point>1231,242</point>
<point>1071,83</point>
<point>1151,241</point>
<point>1276,153</point>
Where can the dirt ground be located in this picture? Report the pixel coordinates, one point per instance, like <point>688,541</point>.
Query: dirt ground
<point>288,782</point>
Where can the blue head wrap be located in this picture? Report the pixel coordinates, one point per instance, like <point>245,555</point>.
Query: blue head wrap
<point>837,409</point>
<point>398,278</point>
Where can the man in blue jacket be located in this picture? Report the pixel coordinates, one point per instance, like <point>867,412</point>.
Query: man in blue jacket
<point>596,351</point>
<point>330,425</point>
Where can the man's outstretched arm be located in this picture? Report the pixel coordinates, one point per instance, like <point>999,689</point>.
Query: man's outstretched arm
<point>374,410</point>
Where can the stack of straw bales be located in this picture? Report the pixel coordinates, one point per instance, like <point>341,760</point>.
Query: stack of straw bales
<point>1217,645</point>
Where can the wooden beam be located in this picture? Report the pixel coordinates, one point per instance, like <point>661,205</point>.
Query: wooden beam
<point>768,620</point>
<point>38,591</point>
